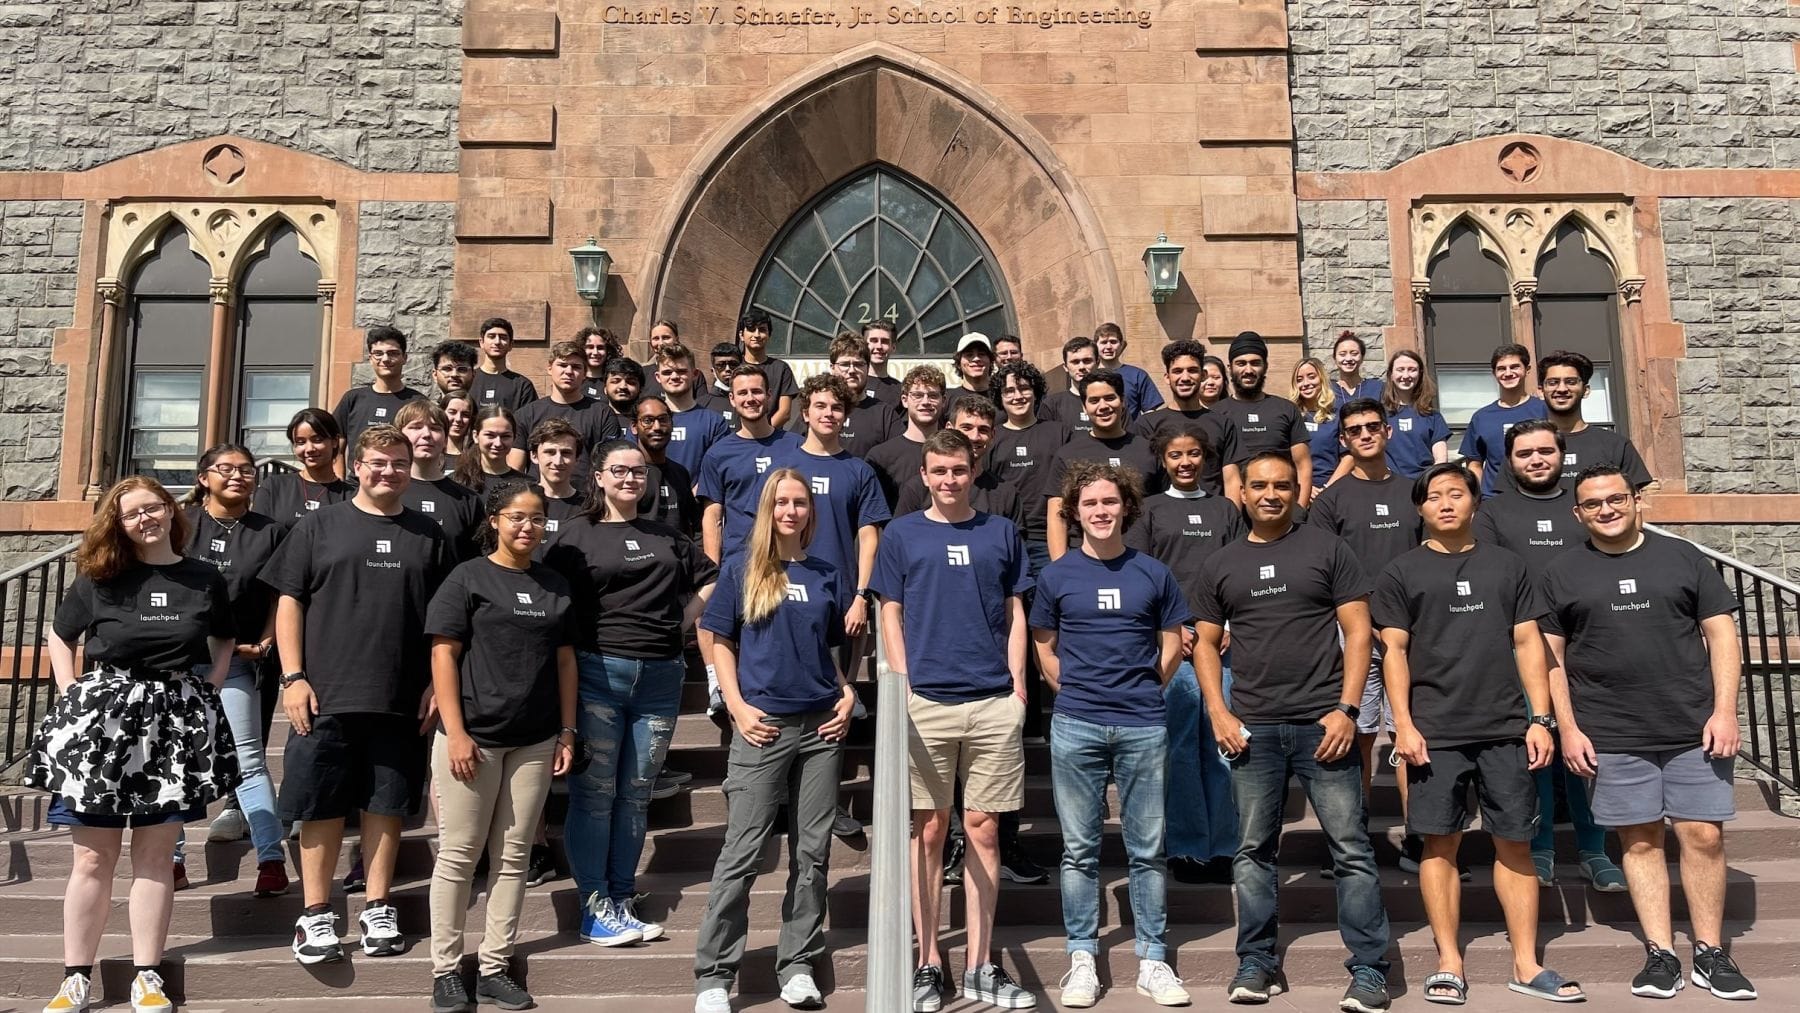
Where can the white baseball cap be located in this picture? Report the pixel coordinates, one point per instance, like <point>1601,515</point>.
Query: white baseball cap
<point>974,338</point>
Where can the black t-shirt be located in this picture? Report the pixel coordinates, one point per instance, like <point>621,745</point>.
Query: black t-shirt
<point>455,507</point>
<point>1182,532</point>
<point>557,514</point>
<point>1536,529</point>
<point>1271,423</point>
<point>505,388</point>
<point>148,617</point>
<point>1377,519</point>
<point>239,552</point>
<point>894,462</point>
<point>511,624</point>
<point>781,382</point>
<point>1281,600</point>
<point>669,498</point>
<point>285,496</point>
<point>1125,451</point>
<point>1067,407</point>
<point>987,494</point>
<point>365,581</point>
<point>1459,611</point>
<point>1219,430</point>
<point>955,394</point>
<point>886,389</point>
<point>1639,675</point>
<point>714,399</point>
<point>362,407</point>
<point>1022,458</point>
<point>869,425</point>
<point>592,418</point>
<point>1595,445</point>
<point>632,579</point>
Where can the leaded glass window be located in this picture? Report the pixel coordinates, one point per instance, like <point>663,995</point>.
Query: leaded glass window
<point>880,246</point>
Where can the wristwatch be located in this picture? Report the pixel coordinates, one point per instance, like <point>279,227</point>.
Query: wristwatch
<point>867,594</point>
<point>289,678</point>
<point>1544,721</point>
<point>1349,710</point>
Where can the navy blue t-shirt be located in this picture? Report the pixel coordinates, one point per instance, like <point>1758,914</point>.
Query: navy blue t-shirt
<point>1141,394</point>
<point>846,496</point>
<point>1413,434</point>
<point>1108,616</point>
<point>784,663</point>
<point>732,476</point>
<point>953,581</point>
<point>1369,387</point>
<point>1322,442</point>
<point>1485,439</point>
<point>692,433</point>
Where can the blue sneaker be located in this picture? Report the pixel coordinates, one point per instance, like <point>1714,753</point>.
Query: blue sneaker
<point>627,913</point>
<point>602,925</point>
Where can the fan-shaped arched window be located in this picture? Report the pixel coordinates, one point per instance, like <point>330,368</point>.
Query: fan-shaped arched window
<point>1467,315</point>
<point>278,342</point>
<point>879,246</point>
<point>1577,310</point>
<point>169,322</point>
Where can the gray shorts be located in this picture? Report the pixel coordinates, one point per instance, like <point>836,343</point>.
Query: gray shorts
<point>1373,714</point>
<point>1630,789</point>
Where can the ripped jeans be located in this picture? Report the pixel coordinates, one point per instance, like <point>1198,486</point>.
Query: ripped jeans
<point>626,719</point>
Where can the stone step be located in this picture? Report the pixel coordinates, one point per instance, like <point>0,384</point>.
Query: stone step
<point>249,967</point>
<point>225,908</point>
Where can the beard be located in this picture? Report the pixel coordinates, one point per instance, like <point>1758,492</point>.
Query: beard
<point>1254,388</point>
<point>1548,485</point>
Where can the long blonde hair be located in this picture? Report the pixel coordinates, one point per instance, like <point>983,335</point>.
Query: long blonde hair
<point>1323,408</point>
<point>765,572</point>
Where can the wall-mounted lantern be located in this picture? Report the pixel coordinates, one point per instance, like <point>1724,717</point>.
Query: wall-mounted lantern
<point>1162,264</point>
<point>591,266</point>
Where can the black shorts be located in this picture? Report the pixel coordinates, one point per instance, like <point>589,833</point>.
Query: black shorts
<point>1437,801</point>
<point>374,763</point>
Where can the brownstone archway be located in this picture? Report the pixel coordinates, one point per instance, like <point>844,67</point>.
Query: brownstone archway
<point>878,106</point>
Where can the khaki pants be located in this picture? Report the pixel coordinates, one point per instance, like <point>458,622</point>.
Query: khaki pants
<point>498,810</point>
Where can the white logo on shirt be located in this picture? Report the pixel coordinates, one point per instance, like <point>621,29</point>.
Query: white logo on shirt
<point>491,393</point>
<point>678,433</point>
<point>312,504</point>
<point>1544,526</point>
<point>1084,416</point>
<point>1195,519</point>
<point>1381,509</point>
<point>428,506</point>
<point>1311,426</point>
<point>728,416</point>
<point>1406,425</point>
<point>958,554</point>
<point>159,599</point>
<point>1569,460</point>
<point>1020,451</point>
<point>524,598</point>
<point>1628,586</point>
<point>797,592</point>
<point>383,545</point>
<point>631,546</point>
<point>218,545</point>
<point>1113,461</point>
<point>381,413</point>
<point>1506,427</point>
<point>1109,599</point>
<point>1253,417</point>
<point>821,485</point>
<point>667,494</point>
<point>1462,588</point>
<point>550,525</point>
<point>1266,573</point>
<point>762,464</point>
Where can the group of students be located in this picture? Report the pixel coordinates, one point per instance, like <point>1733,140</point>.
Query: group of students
<point>523,575</point>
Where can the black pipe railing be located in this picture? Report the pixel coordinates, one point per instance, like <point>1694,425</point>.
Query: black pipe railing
<point>28,598</point>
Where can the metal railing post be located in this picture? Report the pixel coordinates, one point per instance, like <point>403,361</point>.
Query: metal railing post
<point>890,877</point>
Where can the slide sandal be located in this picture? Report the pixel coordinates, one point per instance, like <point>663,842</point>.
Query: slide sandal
<point>1459,989</point>
<point>1544,864</point>
<point>1548,985</point>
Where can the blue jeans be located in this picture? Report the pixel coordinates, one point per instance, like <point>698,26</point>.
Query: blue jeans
<point>1083,757</point>
<point>627,717</point>
<point>1259,780</point>
<point>242,701</point>
<point>1203,820</point>
<point>1589,836</point>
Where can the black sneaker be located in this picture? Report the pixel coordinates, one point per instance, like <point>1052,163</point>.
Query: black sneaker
<point>1412,849</point>
<point>1183,869</point>
<point>953,860</point>
<point>1218,870</point>
<point>1367,992</point>
<point>928,989</point>
<point>1015,865</point>
<point>1661,976</point>
<point>356,878</point>
<point>500,990</point>
<point>450,995</point>
<point>542,868</point>
<point>1715,972</point>
<point>1254,984</point>
<point>845,826</point>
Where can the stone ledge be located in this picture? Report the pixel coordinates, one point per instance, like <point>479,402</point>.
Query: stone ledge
<point>518,124</point>
<point>530,319</point>
<point>503,218</point>
<point>1239,29</point>
<point>493,32</point>
<point>1246,215</point>
<point>1244,113</point>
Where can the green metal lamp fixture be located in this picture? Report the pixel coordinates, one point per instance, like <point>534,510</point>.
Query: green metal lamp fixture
<point>1162,263</point>
<point>591,266</point>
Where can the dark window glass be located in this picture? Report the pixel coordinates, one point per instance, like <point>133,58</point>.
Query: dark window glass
<point>1467,315</point>
<point>1577,310</point>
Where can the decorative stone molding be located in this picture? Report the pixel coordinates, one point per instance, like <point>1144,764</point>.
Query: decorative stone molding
<point>1519,233</point>
<point>1632,290</point>
<point>226,233</point>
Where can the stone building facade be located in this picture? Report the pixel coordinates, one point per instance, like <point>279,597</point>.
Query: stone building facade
<point>434,162</point>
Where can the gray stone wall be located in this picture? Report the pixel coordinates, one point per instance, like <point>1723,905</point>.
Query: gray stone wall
<point>1773,547</point>
<point>1346,277</point>
<point>1734,285</point>
<point>39,244</point>
<point>406,253</point>
<point>1675,83</point>
<point>373,83</point>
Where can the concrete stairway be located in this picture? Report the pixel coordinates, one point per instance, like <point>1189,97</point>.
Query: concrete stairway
<point>229,950</point>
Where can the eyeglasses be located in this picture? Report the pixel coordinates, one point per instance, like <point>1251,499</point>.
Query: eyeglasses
<point>925,395</point>
<point>622,472</point>
<point>381,467</point>
<point>852,365</point>
<point>233,470</point>
<point>671,371</point>
<point>1616,501</point>
<point>380,353</point>
<point>518,520</point>
<point>142,513</point>
<point>660,421</point>
<point>1571,382</point>
<point>1367,427</point>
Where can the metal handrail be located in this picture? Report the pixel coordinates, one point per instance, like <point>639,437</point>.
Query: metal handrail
<point>890,842</point>
<point>28,597</point>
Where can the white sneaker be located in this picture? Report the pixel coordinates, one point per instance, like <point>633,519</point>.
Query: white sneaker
<point>1157,980</point>
<point>713,1000</point>
<point>316,940</point>
<point>72,997</point>
<point>1081,986</point>
<point>801,993</point>
<point>380,925</point>
<point>230,826</point>
<point>626,911</point>
<point>147,994</point>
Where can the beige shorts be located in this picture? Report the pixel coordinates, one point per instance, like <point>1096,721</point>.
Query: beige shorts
<point>977,743</point>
